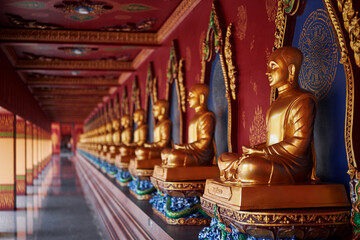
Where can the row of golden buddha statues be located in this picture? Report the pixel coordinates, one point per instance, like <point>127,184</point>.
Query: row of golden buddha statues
<point>271,186</point>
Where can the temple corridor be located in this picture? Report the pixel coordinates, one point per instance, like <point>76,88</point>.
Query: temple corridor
<point>180,119</point>
<point>55,207</point>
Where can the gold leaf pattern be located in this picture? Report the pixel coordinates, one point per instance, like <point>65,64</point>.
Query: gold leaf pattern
<point>258,127</point>
<point>241,22</point>
<point>188,58</point>
<point>271,9</point>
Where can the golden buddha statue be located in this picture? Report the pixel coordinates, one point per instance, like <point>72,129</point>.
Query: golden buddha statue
<point>126,137</point>
<point>276,175</point>
<point>162,133</point>
<point>200,149</point>
<point>286,157</point>
<point>127,149</point>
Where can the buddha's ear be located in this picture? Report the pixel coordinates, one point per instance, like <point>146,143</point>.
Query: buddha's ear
<point>291,69</point>
<point>202,98</point>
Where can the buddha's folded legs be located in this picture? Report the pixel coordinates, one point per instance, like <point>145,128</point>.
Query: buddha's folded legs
<point>143,153</point>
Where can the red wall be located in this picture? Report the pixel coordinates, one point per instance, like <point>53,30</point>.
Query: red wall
<point>253,39</point>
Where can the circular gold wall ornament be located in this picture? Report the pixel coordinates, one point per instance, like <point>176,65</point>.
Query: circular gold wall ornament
<point>318,45</point>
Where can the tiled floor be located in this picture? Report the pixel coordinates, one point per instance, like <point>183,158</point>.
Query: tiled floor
<point>55,208</point>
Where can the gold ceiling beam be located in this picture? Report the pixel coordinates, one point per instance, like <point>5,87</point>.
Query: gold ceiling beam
<point>74,64</point>
<point>71,81</point>
<point>75,36</point>
<point>70,91</point>
<point>181,12</point>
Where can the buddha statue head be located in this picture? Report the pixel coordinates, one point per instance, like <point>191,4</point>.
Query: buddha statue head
<point>125,121</point>
<point>283,67</point>
<point>139,116</point>
<point>198,96</point>
<point>161,109</point>
<point>115,125</point>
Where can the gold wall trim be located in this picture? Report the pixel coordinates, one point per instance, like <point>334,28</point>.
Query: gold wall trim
<point>63,91</point>
<point>280,28</point>
<point>75,64</point>
<point>70,81</point>
<point>229,61</point>
<point>70,36</point>
<point>213,43</point>
<point>181,85</point>
<point>174,71</point>
<point>135,95</point>
<point>141,57</point>
<point>352,26</point>
<point>181,12</point>
<point>345,60</point>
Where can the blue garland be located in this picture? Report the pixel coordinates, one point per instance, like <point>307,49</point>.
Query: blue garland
<point>123,176</point>
<point>177,205</point>
<point>141,187</point>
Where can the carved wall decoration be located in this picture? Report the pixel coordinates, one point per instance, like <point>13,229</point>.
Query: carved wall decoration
<point>39,79</point>
<point>70,36</point>
<point>18,21</point>
<point>182,86</point>
<point>318,70</point>
<point>229,61</point>
<point>135,97</point>
<point>280,22</point>
<point>291,6</point>
<point>257,128</point>
<point>78,51</point>
<point>352,26</point>
<point>175,82</point>
<point>143,25</point>
<point>149,85</point>
<point>136,7</point>
<point>213,45</point>
<point>271,8</point>
<point>241,24</point>
<point>83,7</point>
<point>188,59</point>
<point>29,4</point>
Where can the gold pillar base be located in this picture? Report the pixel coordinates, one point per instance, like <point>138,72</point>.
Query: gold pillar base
<point>239,196</point>
<point>182,221</point>
<point>309,223</point>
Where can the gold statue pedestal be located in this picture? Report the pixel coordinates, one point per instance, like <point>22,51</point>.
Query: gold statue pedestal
<point>111,169</point>
<point>181,183</point>
<point>305,211</point>
<point>141,170</point>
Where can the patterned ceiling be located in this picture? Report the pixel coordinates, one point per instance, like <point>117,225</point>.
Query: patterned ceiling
<point>72,54</point>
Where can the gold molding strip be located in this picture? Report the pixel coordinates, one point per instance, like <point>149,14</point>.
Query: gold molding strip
<point>280,28</point>
<point>124,77</point>
<point>71,36</point>
<point>181,12</point>
<point>229,62</point>
<point>352,26</point>
<point>345,60</point>
<point>70,92</point>
<point>141,57</point>
<point>75,64</point>
<point>71,81</point>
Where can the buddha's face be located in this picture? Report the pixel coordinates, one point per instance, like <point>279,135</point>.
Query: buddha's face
<point>193,99</point>
<point>156,111</point>
<point>115,125</point>
<point>138,117</point>
<point>277,72</point>
<point>125,122</point>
